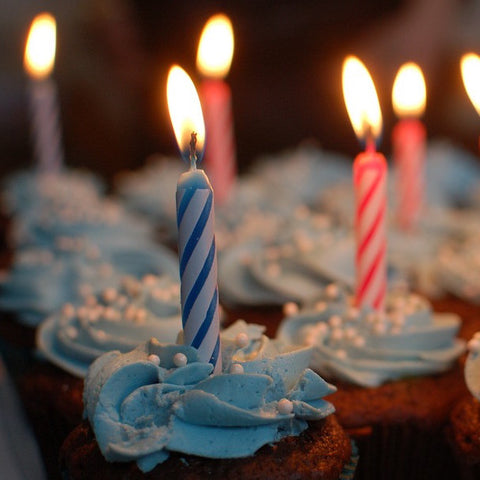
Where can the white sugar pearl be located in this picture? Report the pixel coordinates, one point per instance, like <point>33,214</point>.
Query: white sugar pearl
<point>359,341</point>
<point>68,310</point>
<point>337,334</point>
<point>110,294</point>
<point>398,319</point>
<point>341,354</point>
<point>101,335</point>
<point>290,308</point>
<point>335,321</point>
<point>236,368</point>
<point>285,406</point>
<point>350,333</point>
<point>352,313</point>
<point>180,359</point>
<point>155,359</point>
<point>241,340</point>
<point>331,291</point>
<point>140,315</point>
<point>71,332</point>
<point>90,300</point>
<point>474,345</point>
<point>149,279</point>
<point>273,270</point>
<point>379,328</point>
<point>320,307</point>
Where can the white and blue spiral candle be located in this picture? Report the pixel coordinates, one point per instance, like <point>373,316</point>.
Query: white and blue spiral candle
<point>39,61</point>
<point>195,220</point>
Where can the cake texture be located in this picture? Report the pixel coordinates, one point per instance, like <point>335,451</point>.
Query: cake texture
<point>464,427</point>
<point>159,407</point>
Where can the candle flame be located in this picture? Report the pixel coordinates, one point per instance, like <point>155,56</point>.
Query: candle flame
<point>361,99</point>
<point>409,91</point>
<point>40,49</point>
<point>185,111</point>
<point>215,49</point>
<point>470,66</point>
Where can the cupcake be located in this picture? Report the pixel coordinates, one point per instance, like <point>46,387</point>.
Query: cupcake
<point>276,424</point>
<point>464,428</point>
<point>397,376</point>
<point>119,317</point>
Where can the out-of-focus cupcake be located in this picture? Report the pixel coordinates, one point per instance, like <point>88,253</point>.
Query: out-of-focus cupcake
<point>463,430</point>
<point>397,375</point>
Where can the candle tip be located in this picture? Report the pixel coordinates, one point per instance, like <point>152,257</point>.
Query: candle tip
<point>193,151</point>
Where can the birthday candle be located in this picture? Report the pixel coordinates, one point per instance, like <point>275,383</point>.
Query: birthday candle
<point>195,220</point>
<point>214,57</point>
<point>470,68</point>
<point>408,139</point>
<point>39,60</point>
<point>369,175</point>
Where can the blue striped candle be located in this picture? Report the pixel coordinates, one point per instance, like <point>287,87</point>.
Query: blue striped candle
<point>195,221</point>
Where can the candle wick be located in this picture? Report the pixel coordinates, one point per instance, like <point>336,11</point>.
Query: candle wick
<point>193,151</point>
<point>370,140</point>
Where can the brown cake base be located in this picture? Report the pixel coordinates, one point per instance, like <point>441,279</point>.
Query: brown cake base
<point>399,426</point>
<point>318,453</point>
<point>464,437</point>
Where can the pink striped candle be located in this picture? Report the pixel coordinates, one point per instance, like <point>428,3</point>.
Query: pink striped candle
<point>408,140</point>
<point>39,61</point>
<point>214,57</point>
<point>369,178</point>
<point>370,182</point>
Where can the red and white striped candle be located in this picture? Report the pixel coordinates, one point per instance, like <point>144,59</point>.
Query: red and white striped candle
<point>214,57</point>
<point>408,141</point>
<point>39,61</point>
<point>370,179</point>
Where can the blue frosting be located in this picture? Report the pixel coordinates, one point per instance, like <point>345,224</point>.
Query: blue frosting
<point>142,406</point>
<point>118,318</point>
<point>368,349</point>
<point>41,280</point>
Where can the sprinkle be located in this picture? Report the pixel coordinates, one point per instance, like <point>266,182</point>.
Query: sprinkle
<point>290,308</point>
<point>331,291</point>
<point>474,345</point>
<point>241,340</point>
<point>140,315</point>
<point>273,269</point>
<point>90,300</point>
<point>342,354</point>
<point>180,359</point>
<point>155,359</point>
<point>285,406</point>
<point>109,294</point>
<point>149,280</point>
<point>335,321</point>
<point>130,312</point>
<point>101,335</point>
<point>352,313</point>
<point>71,332</point>
<point>320,307</point>
<point>68,310</point>
<point>236,368</point>
<point>337,334</point>
<point>379,328</point>
<point>359,341</point>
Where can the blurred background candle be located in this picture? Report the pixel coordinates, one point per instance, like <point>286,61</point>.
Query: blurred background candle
<point>408,142</point>
<point>370,178</point>
<point>38,62</point>
<point>214,57</point>
<point>470,67</point>
<point>195,220</point>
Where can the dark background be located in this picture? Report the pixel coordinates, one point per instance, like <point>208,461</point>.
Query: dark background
<point>113,57</point>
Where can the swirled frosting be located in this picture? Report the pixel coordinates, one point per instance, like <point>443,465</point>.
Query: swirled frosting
<point>160,398</point>
<point>41,280</point>
<point>118,318</point>
<point>367,348</point>
<point>472,366</point>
